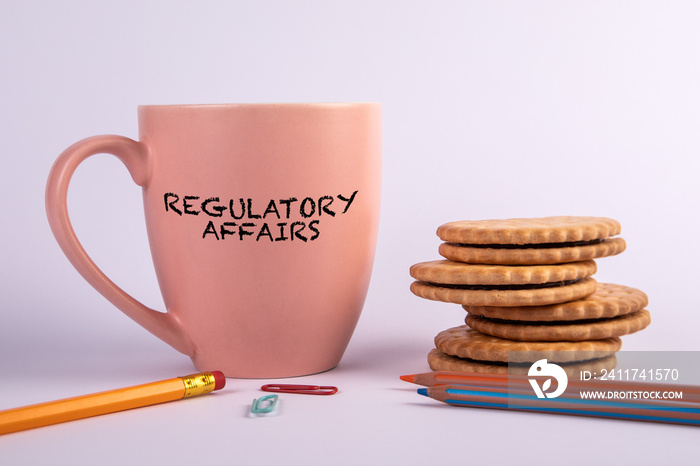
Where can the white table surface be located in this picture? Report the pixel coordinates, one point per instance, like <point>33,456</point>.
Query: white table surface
<point>374,419</point>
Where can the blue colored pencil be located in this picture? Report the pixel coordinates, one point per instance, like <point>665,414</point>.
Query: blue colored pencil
<point>499,398</point>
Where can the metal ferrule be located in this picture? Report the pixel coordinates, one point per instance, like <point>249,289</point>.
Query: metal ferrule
<point>198,384</point>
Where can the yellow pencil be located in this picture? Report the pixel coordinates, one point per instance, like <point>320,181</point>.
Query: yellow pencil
<point>70,409</point>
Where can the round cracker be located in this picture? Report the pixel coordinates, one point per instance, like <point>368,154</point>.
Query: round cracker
<point>595,330</point>
<point>609,300</point>
<point>506,298</point>
<point>439,361</point>
<point>447,272</point>
<point>529,230</point>
<point>464,342</point>
<point>531,256</point>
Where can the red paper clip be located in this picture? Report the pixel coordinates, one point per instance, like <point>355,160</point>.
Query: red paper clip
<point>301,389</point>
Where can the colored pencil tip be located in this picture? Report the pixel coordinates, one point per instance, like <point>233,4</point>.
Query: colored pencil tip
<point>423,391</point>
<point>407,378</point>
<point>219,380</point>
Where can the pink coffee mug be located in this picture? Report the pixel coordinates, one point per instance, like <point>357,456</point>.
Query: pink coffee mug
<point>262,221</point>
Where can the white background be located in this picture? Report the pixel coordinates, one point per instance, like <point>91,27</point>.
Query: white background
<point>491,110</point>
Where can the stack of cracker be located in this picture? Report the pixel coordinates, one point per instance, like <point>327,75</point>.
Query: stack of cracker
<point>527,287</point>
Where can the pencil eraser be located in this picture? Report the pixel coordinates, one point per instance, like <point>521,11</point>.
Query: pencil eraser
<point>219,380</point>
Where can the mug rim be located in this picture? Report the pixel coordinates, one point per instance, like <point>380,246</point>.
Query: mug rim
<point>261,104</point>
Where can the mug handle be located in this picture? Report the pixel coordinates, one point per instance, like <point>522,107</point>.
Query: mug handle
<point>135,156</point>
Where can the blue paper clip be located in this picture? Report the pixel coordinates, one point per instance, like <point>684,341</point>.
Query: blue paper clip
<point>264,405</point>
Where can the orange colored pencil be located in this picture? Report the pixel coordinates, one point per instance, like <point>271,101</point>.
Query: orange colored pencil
<point>691,393</point>
<point>69,409</point>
